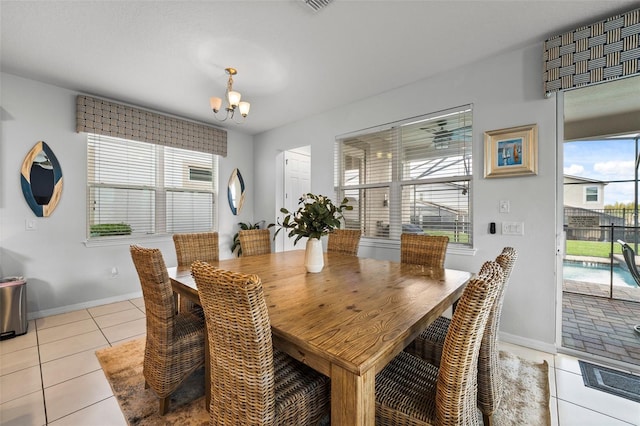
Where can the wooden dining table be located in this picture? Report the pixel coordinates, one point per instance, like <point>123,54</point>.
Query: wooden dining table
<point>347,321</point>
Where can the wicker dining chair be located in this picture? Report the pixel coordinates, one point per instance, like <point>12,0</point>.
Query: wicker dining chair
<point>344,241</point>
<point>255,241</point>
<point>426,250</point>
<point>252,383</point>
<point>410,391</point>
<point>175,341</point>
<point>429,344</point>
<point>196,246</point>
<point>191,247</point>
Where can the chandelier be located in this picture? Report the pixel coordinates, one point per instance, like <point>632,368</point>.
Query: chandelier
<point>233,101</point>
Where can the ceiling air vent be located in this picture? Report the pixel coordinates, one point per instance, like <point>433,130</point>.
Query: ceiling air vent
<point>316,5</point>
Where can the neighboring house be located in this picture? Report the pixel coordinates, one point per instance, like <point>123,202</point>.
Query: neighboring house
<point>584,193</point>
<point>584,213</point>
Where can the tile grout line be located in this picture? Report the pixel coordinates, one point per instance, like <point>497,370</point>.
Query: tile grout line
<point>44,402</point>
<point>555,384</point>
<point>82,408</point>
<point>579,405</point>
<point>593,411</point>
<point>43,394</point>
<point>100,328</point>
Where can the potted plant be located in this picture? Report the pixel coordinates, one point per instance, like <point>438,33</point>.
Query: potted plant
<point>316,216</point>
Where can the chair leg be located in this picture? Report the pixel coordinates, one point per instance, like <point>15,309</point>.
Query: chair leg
<point>487,420</point>
<point>164,405</point>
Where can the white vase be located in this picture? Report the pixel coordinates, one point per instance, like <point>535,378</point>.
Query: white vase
<point>313,256</point>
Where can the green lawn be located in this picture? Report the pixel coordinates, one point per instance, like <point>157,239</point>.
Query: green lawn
<point>591,248</point>
<point>462,237</point>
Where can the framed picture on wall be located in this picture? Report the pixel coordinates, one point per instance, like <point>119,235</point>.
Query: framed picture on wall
<point>511,152</point>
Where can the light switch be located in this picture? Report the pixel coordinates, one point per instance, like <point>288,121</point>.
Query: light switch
<point>505,205</point>
<point>30,224</point>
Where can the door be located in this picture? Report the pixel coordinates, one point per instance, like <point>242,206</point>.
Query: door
<point>297,181</point>
<point>598,204</point>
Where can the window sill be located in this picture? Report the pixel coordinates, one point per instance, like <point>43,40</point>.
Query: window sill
<point>122,241</point>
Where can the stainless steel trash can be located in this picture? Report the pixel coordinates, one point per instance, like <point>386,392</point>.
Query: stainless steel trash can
<point>13,307</point>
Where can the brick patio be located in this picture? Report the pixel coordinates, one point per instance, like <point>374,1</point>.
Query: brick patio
<point>595,324</point>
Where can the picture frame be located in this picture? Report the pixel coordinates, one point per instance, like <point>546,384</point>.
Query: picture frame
<point>511,152</point>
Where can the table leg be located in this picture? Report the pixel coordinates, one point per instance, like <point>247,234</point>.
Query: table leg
<point>353,397</point>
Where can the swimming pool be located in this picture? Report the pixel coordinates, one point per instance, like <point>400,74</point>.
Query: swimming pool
<point>599,273</point>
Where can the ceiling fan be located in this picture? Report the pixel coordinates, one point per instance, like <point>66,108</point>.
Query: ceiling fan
<point>441,136</point>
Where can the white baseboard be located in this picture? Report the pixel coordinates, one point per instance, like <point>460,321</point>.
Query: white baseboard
<point>528,343</point>
<point>84,305</point>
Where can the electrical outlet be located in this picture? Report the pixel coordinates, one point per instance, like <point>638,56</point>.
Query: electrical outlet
<point>512,228</point>
<point>505,206</point>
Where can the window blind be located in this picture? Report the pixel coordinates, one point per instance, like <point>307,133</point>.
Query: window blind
<point>412,176</point>
<point>138,188</point>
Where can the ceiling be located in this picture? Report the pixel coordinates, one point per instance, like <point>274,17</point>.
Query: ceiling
<point>292,62</point>
<point>613,98</point>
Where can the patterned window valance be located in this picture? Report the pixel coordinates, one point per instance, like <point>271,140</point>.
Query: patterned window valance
<point>111,119</point>
<point>606,50</point>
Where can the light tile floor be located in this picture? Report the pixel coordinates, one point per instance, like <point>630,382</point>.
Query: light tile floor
<point>51,376</point>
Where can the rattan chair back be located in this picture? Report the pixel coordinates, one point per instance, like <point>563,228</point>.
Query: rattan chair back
<point>255,241</point>
<point>490,385</point>
<point>456,391</point>
<point>344,241</point>
<point>430,344</point>
<point>410,391</point>
<point>426,250</point>
<point>251,382</point>
<point>175,342</point>
<point>191,247</point>
<point>156,291</point>
<point>196,246</point>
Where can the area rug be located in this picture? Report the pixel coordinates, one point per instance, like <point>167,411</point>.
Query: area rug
<point>525,401</point>
<point>525,398</point>
<point>122,364</point>
<point>611,381</point>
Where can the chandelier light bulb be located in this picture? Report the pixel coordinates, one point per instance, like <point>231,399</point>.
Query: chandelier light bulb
<point>216,103</point>
<point>234,99</point>
<point>244,108</point>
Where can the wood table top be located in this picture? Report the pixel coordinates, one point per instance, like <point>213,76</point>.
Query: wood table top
<point>357,313</point>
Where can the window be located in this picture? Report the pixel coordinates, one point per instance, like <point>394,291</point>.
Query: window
<point>203,175</point>
<point>591,194</point>
<point>410,176</point>
<point>138,188</point>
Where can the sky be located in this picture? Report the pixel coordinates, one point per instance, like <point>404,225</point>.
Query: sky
<point>605,160</point>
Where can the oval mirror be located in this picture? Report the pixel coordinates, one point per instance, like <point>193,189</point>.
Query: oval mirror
<point>235,192</point>
<point>41,179</point>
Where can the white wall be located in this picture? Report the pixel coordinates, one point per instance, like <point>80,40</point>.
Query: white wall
<point>62,273</point>
<point>505,91</point>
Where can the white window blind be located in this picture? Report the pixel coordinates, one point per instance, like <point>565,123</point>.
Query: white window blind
<point>411,176</point>
<point>137,188</point>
